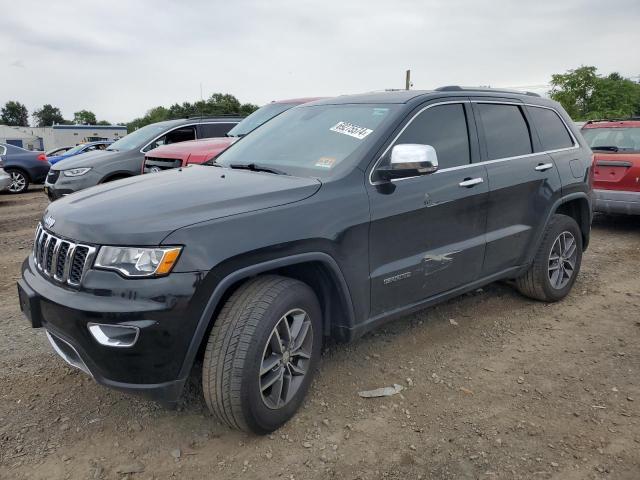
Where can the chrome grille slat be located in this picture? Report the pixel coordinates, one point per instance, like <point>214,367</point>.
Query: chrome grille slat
<point>46,264</point>
<point>52,254</point>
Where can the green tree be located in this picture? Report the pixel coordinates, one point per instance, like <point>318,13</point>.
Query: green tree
<point>14,114</point>
<point>47,115</point>
<point>585,95</point>
<point>84,117</point>
<point>103,122</point>
<point>216,104</point>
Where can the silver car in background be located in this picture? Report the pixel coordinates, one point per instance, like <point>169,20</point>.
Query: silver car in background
<point>5,179</point>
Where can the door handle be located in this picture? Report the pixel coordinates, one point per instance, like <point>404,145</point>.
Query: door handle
<point>544,166</point>
<point>470,182</point>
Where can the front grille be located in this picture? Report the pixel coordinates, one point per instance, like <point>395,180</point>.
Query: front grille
<point>61,260</point>
<point>154,164</point>
<point>52,176</point>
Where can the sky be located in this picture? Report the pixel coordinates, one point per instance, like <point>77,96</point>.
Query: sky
<point>119,58</point>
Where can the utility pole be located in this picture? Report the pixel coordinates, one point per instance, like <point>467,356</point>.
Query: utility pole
<point>407,82</point>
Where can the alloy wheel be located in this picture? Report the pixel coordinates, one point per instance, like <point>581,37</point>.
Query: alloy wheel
<point>562,260</point>
<point>286,358</point>
<point>18,182</point>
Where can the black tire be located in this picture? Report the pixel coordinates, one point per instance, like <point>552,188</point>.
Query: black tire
<point>537,282</point>
<point>17,177</point>
<point>238,343</point>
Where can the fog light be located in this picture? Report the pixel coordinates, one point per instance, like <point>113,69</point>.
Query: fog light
<point>114,335</point>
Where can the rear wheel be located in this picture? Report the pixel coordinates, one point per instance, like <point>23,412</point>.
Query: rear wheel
<point>19,181</point>
<point>557,262</point>
<point>262,353</point>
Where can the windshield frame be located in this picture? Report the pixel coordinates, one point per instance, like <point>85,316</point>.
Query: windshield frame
<point>141,145</point>
<point>288,106</point>
<point>354,159</point>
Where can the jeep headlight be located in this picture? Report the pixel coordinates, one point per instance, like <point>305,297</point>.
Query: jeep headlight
<point>75,172</point>
<point>138,261</point>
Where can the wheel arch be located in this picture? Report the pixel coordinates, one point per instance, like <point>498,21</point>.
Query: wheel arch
<point>116,176</point>
<point>21,169</point>
<point>316,269</point>
<point>578,207</point>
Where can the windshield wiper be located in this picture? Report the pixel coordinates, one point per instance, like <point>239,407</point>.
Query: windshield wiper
<point>256,168</point>
<point>608,148</point>
<point>213,163</point>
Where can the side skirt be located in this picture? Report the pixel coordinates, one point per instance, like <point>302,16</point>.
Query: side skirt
<point>374,322</point>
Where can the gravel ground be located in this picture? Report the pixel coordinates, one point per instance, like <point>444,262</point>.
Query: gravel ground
<point>496,386</point>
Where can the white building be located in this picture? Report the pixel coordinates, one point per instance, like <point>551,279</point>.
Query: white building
<point>70,135</point>
<point>18,137</point>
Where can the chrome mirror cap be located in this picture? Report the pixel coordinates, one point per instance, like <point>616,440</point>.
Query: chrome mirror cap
<point>410,160</point>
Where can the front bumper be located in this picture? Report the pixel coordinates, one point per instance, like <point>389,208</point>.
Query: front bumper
<point>165,310</point>
<point>67,185</point>
<point>617,201</point>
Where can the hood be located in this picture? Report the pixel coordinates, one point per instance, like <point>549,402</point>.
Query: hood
<point>209,146</point>
<point>88,159</point>
<point>143,210</point>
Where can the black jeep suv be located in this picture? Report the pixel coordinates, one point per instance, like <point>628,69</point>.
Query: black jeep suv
<point>329,220</point>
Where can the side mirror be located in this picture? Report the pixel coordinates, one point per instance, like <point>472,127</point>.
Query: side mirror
<point>410,160</point>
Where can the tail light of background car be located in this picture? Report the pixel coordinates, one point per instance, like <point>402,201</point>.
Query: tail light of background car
<point>42,157</point>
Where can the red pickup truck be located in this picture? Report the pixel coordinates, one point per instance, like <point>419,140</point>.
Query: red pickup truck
<point>616,152</point>
<point>199,151</point>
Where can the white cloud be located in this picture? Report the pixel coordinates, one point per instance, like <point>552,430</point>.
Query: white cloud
<point>121,58</point>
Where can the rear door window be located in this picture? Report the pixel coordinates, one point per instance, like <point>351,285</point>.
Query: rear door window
<point>444,127</point>
<point>213,130</point>
<point>551,129</point>
<point>506,131</point>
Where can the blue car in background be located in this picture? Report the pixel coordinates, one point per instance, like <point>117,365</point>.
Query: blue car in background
<point>78,149</point>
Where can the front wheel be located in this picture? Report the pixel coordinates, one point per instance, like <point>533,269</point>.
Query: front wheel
<point>262,353</point>
<point>19,181</point>
<point>557,262</point>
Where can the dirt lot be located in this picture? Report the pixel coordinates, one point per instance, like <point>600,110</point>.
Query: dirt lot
<point>496,386</point>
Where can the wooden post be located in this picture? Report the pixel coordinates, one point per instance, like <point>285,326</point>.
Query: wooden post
<point>408,80</point>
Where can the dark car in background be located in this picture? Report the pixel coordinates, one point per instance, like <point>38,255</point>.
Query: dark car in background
<point>325,222</point>
<point>24,167</point>
<point>199,151</point>
<point>79,149</point>
<point>124,157</point>
<point>616,154</point>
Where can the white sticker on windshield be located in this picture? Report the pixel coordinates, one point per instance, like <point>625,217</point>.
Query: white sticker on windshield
<point>351,130</point>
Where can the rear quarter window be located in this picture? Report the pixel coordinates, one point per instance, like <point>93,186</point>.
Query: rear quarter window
<point>213,130</point>
<point>506,131</point>
<point>551,129</point>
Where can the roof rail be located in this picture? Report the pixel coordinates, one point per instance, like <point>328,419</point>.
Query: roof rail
<point>222,115</point>
<point>458,88</point>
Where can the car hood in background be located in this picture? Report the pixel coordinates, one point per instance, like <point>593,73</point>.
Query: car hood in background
<point>183,149</point>
<point>88,159</point>
<point>143,210</point>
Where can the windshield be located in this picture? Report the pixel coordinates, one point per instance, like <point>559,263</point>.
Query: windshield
<point>621,140</point>
<point>74,150</point>
<point>257,118</point>
<point>313,141</point>
<point>138,138</point>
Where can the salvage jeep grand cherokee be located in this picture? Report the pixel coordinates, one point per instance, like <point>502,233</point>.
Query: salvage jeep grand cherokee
<point>327,221</point>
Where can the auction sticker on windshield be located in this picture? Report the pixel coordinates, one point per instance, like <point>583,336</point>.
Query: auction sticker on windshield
<point>351,130</point>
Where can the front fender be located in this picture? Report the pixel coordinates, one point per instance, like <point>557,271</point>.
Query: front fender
<point>228,280</point>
